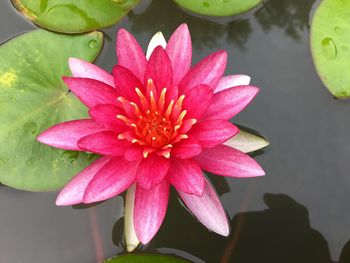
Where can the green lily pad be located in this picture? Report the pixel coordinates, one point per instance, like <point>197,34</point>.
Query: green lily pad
<point>330,45</point>
<point>74,16</point>
<point>218,7</point>
<point>145,258</point>
<point>32,98</point>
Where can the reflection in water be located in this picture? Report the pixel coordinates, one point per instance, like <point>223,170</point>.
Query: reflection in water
<point>281,233</point>
<point>290,15</point>
<point>165,16</point>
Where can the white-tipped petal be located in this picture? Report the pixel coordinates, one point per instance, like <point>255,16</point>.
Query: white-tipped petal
<point>247,142</point>
<point>131,239</point>
<point>157,40</point>
<point>208,209</point>
<point>232,81</point>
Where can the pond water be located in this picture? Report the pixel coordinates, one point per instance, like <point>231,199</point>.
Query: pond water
<point>298,212</point>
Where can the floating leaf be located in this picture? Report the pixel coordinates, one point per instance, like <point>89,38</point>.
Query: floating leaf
<point>218,7</point>
<point>32,98</point>
<point>330,45</point>
<point>247,141</point>
<point>74,16</point>
<point>145,258</point>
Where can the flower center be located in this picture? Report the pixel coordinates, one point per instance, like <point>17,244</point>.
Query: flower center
<point>155,124</point>
<point>155,129</point>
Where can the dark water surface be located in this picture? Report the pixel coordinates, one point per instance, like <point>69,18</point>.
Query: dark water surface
<point>298,212</point>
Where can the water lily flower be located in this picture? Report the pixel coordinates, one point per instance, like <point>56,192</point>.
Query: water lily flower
<point>156,122</point>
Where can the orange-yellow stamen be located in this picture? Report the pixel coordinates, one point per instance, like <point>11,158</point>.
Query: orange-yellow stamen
<point>155,125</point>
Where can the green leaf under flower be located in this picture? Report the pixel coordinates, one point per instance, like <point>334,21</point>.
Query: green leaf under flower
<point>218,7</point>
<point>74,16</point>
<point>330,45</point>
<point>33,98</point>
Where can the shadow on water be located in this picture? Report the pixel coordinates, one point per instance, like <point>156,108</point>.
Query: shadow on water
<point>290,15</point>
<point>345,254</point>
<point>281,233</point>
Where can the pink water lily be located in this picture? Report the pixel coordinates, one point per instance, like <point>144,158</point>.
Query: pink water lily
<point>156,121</point>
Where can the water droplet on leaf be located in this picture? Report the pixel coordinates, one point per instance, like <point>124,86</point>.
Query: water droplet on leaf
<point>206,4</point>
<point>93,43</point>
<point>329,48</point>
<point>30,127</point>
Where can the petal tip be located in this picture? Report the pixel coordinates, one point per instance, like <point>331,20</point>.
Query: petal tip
<point>61,200</point>
<point>130,248</point>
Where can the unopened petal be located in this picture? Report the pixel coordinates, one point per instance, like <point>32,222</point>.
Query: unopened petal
<point>73,192</point>
<point>150,209</point>
<point>67,134</point>
<point>227,161</point>
<point>208,209</point>
<point>83,69</point>
<point>131,240</point>
<point>247,142</point>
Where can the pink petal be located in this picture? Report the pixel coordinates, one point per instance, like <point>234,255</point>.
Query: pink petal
<point>106,116</point>
<point>91,92</point>
<point>112,179</point>
<point>208,71</point>
<point>126,82</point>
<point>186,176</point>
<point>149,211</point>
<point>227,103</point>
<point>227,161</point>
<point>73,192</point>
<point>213,132</point>
<point>186,148</point>
<point>152,171</point>
<point>83,69</point>
<point>232,81</point>
<point>208,209</point>
<point>197,101</point>
<point>67,134</point>
<point>160,71</point>
<point>104,143</point>
<point>130,54</point>
<point>179,50</point>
